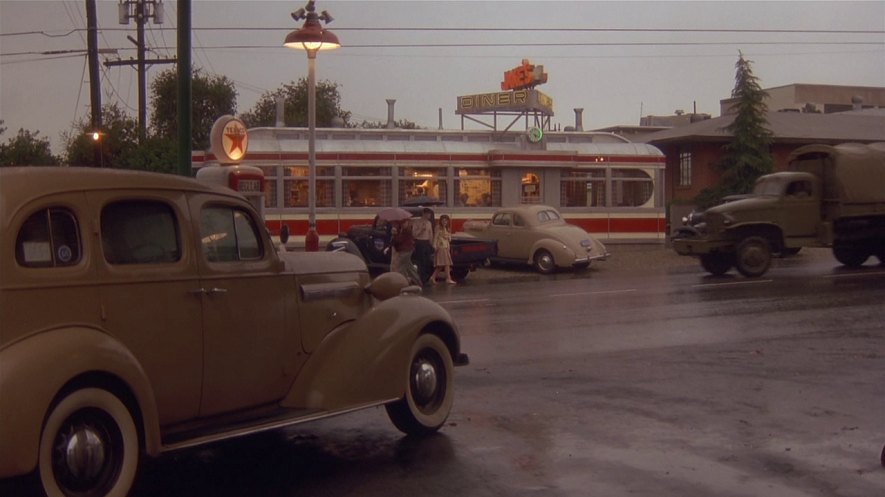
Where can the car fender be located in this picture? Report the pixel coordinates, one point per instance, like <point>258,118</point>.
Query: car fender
<point>364,361</point>
<point>72,353</point>
<point>563,256</point>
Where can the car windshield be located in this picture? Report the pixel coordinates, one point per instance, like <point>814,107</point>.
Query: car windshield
<point>768,186</point>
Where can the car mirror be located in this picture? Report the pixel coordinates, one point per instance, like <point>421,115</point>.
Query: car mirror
<point>284,234</point>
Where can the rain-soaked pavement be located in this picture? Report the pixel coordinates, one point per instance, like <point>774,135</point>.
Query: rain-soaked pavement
<point>639,376</point>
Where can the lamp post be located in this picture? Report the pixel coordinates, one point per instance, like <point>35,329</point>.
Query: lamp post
<point>311,38</point>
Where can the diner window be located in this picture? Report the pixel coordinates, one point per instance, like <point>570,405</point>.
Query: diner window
<point>295,186</point>
<point>270,186</point>
<point>48,238</point>
<point>530,188</point>
<point>684,168</point>
<point>228,234</point>
<point>139,232</point>
<point>477,187</point>
<point>582,188</point>
<point>423,184</point>
<point>366,186</point>
<point>631,187</point>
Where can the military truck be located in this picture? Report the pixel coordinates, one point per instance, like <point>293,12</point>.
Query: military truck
<point>830,196</point>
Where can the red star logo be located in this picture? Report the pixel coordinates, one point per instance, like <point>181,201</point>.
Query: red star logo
<point>236,138</point>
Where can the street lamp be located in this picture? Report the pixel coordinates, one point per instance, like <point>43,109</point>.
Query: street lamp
<point>97,137</point>
<point>311,38</point>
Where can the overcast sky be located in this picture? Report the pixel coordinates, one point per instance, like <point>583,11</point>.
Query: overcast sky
<point>617,60</point>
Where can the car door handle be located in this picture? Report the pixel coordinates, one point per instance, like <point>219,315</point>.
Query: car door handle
<point>210,291</point>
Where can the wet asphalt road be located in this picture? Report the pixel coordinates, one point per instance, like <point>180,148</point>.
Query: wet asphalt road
<point>639,376</point>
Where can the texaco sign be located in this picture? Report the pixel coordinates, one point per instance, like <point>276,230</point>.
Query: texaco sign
<point>228,140</point>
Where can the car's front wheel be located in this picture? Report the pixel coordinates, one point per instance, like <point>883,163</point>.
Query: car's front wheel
<point>429,392</point>
<point>753,256</point>
<point>88,447</point>
<point>460,273</point>
<point>717,263</point>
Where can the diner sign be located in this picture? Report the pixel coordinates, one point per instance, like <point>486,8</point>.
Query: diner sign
<point>518,100</point>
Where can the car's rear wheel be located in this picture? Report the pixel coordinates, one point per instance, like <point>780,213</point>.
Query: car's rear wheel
<point>753,256</point>
<point>429,392</point>
<point>718,263</point>
<point>544,262</point>
<point>850,255</point>
<point>88,447</point>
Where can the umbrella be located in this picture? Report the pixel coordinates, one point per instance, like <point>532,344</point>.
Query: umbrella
<point>392,214</point>
<point>422,200</point>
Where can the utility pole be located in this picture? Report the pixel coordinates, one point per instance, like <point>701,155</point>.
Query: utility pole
<point>94,81</point>
<point>185,111</point>
<point>141,11</point>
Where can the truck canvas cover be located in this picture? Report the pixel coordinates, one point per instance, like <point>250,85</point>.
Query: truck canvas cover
<point>855,172</point>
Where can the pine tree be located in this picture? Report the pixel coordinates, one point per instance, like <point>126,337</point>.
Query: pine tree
<point>747,156</point>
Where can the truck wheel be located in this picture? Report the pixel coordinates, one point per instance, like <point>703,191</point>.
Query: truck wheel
<point>429,390</point>
<point>460,273</point>
<point>544,262</point>
<point>787,252</point>
<point>753,256</point>
<point>850,255</point>
<point>717,264</point>
<point>88,447</point>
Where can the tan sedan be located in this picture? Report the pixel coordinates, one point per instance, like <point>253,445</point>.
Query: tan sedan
<point>143,313</point>
<point>537,235</point>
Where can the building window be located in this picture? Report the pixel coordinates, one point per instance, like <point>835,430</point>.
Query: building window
<point>295,186</point>
<point>582,188</point>
<point>684,168</point>
<point>422,183</point>
<point>477,187</point>
<point>366,186</point>
<point>631,188</point>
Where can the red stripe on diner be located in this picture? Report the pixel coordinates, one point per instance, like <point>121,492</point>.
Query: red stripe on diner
<point>434,157</point>
<point>326,227</point>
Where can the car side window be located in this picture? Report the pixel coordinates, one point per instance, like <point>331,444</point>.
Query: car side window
<point>502,219</point>
<point>799,189</point>
<point>139,232</point>
<point>229,234</point>
<point>518,221</point>
<point>49,238</point>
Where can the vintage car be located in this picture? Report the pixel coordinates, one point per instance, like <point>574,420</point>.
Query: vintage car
<point>537,235</point>
<point>143,313</point>
<point>372,243</point>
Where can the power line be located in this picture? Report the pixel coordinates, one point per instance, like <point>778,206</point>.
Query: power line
<point>504,30</point>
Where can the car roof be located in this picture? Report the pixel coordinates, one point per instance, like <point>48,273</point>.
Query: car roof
<point>22,184</point>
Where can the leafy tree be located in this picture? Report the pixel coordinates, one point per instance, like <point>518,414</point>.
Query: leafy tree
<point>26,149</point>
<point>211,98</point>
<point>157,154</point>
<point>328,106</point>
<point>118,142</point>
<point>747,155</point>
<point>399,123</point>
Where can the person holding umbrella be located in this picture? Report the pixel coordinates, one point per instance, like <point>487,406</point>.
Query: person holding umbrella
<point>402,245</point>
<point>422,230</point>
